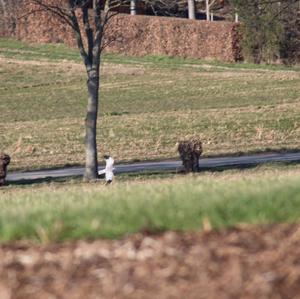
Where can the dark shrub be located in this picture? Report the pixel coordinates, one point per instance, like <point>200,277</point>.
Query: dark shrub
<point>4,161</point>
<point>190,150</point>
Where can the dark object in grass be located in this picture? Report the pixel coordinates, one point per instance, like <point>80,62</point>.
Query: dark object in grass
<point>4,161</point>
<point>190,150</point>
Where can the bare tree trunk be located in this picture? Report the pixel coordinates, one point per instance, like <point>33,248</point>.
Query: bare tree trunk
<point>91,166</point>
<point>207,10</point>
<point>191,7</point>
<point>133,7</point>
<point>91,54</point>
<point>236,17</point>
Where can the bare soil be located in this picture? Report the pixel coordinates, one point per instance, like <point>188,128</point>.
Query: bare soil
<point>245,262</point>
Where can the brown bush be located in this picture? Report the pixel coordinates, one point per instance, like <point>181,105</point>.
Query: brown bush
<point>190,150</point>
<point>4,161</point>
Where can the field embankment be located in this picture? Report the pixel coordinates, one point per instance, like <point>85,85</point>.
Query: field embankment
<point>146,105</point>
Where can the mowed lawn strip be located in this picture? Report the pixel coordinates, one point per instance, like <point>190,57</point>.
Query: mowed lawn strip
<point>71,212</point>
<point>146,105</point>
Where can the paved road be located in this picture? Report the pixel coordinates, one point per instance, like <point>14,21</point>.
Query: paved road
<point>205,164</point>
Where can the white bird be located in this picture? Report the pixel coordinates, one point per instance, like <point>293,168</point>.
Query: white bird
<point>109,169</point>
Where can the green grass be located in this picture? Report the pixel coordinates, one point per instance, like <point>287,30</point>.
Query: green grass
<point>12,48</point>
<point>70,212</point>
<point>146,105</point>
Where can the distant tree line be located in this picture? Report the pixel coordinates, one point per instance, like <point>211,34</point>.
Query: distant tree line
<point>271,30</point>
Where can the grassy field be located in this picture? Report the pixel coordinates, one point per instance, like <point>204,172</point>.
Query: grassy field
<point>59,212</point>
<point>147,104</point>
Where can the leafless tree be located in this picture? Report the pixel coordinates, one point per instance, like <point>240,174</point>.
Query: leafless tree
<point>175,8</point>
<point>164,7</point>
<point>208,5</point>
<point>191,9</point>
<point>133,7</point>
<point>94,15</point>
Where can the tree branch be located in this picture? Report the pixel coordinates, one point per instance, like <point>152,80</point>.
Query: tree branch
<point>88,31</point>
<point>78,36</point>
<point>98,33</point>
<point>31,13</point>
<point>54,9</point>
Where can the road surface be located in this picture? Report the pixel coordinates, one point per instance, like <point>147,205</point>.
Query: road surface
<point>205,164</point>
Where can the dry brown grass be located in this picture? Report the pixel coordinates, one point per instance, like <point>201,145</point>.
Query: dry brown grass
<point>153,135</point>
